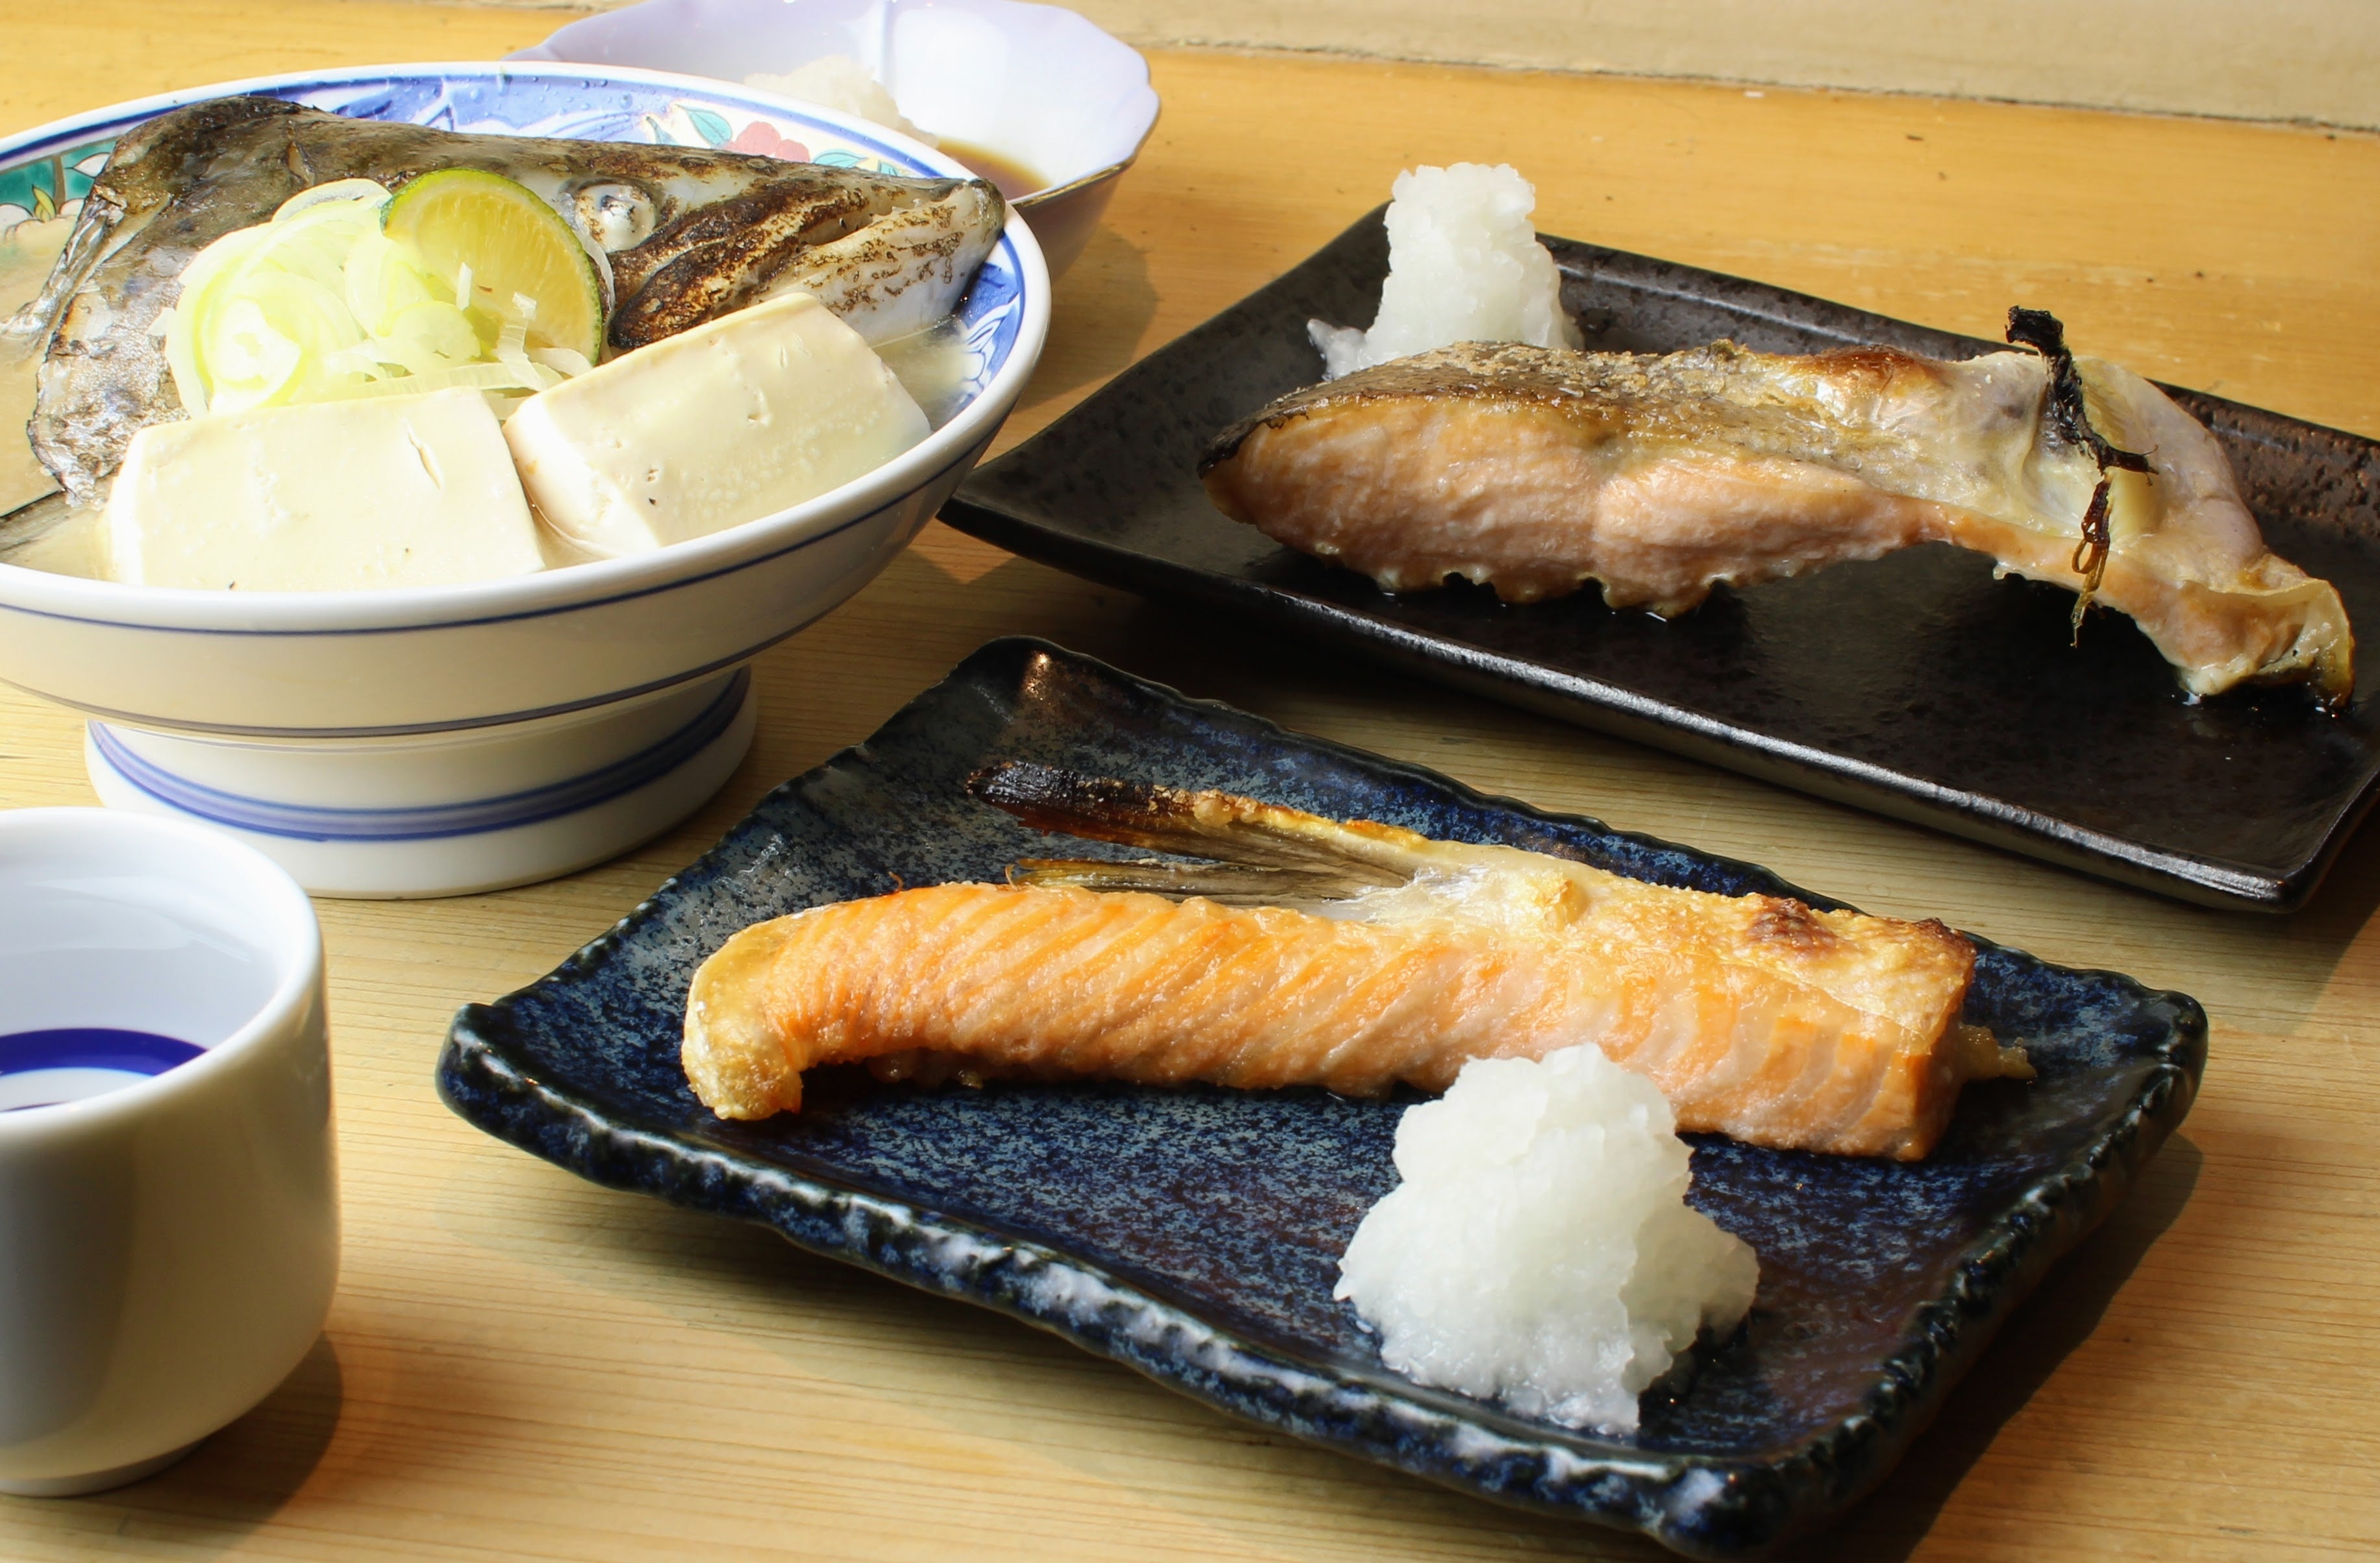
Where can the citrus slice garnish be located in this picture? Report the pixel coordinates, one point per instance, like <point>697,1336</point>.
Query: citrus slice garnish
<point>497,237</point>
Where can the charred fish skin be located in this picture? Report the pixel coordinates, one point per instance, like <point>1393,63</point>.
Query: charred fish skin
<point>889,256</point>
<point>687,233</point>
<point>1535,471</point>
<point>904,271</point>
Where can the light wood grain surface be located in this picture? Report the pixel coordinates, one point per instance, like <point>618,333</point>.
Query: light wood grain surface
<point>521,1365</point>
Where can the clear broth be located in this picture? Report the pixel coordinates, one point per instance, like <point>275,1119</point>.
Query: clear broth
<point>931,366</point>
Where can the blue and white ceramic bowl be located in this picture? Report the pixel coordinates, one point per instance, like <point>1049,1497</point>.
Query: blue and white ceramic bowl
<point>432,741</point>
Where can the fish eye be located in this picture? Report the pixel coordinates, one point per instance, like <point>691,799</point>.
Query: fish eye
<point>616,216</point>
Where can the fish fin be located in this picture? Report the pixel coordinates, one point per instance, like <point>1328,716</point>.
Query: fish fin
<point>31,522</point>
<point>1219,826</point>
<point>1232,884</point>
<point>2069,420</point>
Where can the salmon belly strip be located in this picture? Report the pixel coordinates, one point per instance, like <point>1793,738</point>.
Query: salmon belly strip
<point>1758,1017</point>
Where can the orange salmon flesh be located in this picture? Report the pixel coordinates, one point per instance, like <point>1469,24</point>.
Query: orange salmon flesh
<point>1757,1016</point>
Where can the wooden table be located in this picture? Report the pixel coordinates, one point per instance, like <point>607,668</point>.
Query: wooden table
<point>523,1365</point>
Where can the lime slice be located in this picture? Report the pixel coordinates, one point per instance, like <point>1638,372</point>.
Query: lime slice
<point>510,245</point>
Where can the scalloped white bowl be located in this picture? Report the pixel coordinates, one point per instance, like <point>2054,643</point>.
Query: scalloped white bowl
<point>435,740</point>
<point>1037,85</point>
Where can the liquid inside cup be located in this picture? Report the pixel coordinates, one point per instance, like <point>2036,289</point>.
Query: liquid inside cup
<point>108,979</point>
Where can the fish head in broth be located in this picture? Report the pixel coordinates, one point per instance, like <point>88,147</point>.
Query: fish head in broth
<point>683,235</point>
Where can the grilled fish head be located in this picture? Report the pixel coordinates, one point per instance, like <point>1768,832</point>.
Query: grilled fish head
<point>684,235</point>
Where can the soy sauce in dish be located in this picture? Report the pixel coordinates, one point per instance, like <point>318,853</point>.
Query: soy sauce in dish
<point>1011,177</point>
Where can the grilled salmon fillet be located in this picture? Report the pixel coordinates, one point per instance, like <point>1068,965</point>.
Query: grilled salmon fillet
<point>1533,471</point>
<point>1397,957</point>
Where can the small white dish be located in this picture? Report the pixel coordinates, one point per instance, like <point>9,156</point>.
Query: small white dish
<point>435,740</point>
<point>1038,87</point>
<point>169,1229</point>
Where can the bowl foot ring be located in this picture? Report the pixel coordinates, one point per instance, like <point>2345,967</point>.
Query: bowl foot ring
<point>479,811</point>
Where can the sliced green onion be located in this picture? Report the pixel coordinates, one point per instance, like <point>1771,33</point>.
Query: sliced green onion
<point>370,192</point>
<point>427,337</point>
<point>569,362</point>
<point>319,303</point>
<point>473,377</point>
<point>383,280</point>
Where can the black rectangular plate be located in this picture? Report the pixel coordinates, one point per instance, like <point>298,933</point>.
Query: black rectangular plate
<point>1195,1234</point>
<point>1915,685</point>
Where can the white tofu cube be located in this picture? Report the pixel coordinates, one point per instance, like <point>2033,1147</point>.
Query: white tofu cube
<point>735,420</point>
<point>326,496</point>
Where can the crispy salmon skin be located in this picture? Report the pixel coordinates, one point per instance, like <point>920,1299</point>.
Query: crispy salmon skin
<point>1354,956</point>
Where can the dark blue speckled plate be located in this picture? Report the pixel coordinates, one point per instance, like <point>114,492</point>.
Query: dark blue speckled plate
<point>1195,1234</point>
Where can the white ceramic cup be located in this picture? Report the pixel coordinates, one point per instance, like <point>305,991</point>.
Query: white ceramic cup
<point>168,1246</point>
